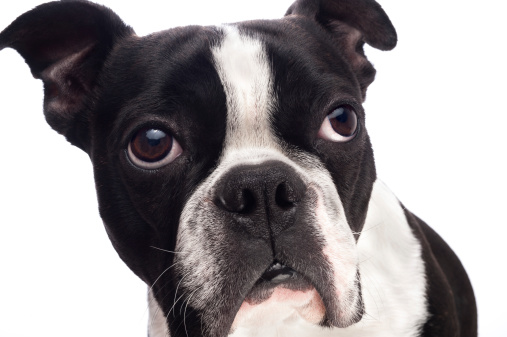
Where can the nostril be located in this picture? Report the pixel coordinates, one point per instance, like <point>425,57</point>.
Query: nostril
<point>248,202</point>
<point>284,196</point>
<point>242,201</point>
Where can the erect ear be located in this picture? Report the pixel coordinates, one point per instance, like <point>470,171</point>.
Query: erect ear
<point>352,23</point>
<point>65,43</point>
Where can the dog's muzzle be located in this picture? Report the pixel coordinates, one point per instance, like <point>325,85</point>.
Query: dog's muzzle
<point>262,239</point>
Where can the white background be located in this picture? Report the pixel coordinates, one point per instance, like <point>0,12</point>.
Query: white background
<point>436,116</point>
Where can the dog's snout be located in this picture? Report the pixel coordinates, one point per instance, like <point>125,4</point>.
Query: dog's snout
<point>268,192</point>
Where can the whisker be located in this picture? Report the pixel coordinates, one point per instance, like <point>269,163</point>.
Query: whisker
<point>159,308</point>
<point>165,250</point>
<point>369,229</point>
<point>151,288</point>
<point>174,264</point>
<point>375,294</point>
<point>176,294</point>
<point>185,312</point>
<point>174,304</point>
<point>155,313</point>
<point>365,260</point>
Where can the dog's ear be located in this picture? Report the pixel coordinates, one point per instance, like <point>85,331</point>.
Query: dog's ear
<point>352,23</point>
<point>65,43</point>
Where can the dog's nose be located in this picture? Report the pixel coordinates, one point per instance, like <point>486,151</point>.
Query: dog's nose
<point>266,193</point>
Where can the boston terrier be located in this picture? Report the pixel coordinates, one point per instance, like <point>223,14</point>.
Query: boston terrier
<point>235,175</point>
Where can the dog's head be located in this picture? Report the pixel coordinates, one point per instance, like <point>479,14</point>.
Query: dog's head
<point>232,163</point>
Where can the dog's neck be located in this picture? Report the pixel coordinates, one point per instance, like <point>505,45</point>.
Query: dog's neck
<point>392,277</point>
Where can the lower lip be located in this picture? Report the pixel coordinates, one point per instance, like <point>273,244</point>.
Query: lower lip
<point>282,304</point>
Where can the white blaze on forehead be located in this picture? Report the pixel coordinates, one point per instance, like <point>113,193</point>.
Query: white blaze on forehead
<point>243,67</point>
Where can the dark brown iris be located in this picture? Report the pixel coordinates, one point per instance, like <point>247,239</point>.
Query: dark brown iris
<point>151,145</point>
<point>343,120</point>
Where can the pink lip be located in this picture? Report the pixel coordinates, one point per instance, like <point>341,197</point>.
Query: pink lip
<point>283,303</point>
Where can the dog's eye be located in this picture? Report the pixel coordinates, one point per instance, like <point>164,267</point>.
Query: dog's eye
<point>152,148</point>
<point>340,125</point>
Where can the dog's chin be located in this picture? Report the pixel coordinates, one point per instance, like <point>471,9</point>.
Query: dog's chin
<point>281,296</point>
<point>282,305</point>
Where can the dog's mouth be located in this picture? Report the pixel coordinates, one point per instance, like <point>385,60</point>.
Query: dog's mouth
<point>280,293</point>
<point>277,275</point>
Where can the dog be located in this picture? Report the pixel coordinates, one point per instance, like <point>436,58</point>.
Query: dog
<point>235,175</point>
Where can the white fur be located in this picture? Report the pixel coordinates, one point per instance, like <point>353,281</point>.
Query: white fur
<point>244,70</point>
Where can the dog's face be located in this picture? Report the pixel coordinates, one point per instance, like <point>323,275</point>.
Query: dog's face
<point>232,163</point>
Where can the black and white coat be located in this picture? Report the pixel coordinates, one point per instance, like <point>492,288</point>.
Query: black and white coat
<point>219,152</point>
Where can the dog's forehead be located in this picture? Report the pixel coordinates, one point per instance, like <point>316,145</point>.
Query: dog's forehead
<point>292,47</point>
<point>291,65</point>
